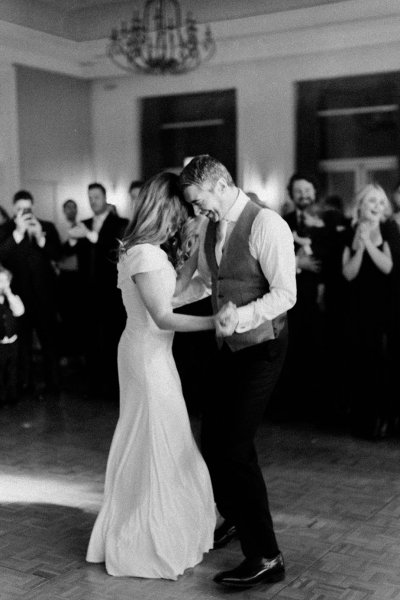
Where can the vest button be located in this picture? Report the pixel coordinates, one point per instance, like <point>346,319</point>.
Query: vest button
<point>220,296</point>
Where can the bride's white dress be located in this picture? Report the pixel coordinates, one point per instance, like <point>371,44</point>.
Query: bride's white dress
<point>158,514</point>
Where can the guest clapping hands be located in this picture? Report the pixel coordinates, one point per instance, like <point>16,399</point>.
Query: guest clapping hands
<point>367,266</point>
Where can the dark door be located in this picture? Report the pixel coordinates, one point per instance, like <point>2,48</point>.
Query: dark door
<point>175,128</point>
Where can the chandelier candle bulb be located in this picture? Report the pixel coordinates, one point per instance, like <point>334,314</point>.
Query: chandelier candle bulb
<point>159,43</point>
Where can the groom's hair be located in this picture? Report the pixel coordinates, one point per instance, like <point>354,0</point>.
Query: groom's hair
<point>204,170</point>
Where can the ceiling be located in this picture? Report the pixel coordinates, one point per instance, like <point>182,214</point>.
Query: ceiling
<point>72,5</point>
<point>244,6</point>
<point>83,20</point>
<point>77,4</point>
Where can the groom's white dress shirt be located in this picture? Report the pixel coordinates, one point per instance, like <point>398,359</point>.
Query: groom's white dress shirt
<point>271,244</point>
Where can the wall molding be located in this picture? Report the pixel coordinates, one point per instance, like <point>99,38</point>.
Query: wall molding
<point>332,27</point>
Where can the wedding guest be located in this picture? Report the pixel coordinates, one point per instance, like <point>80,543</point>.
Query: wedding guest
<point>11,307</point>
<point>30,248</point>
<point>316,243</point>
<point>70,289</point>
<point>325,241</point>
<point>367,266</point>
<point>334,212</point>
<point>134,190</point>
<point>248,253</point>
<point>96,243</point>
<point>306,318</point>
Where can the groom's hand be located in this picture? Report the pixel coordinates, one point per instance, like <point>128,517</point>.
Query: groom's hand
<point>226,320</point>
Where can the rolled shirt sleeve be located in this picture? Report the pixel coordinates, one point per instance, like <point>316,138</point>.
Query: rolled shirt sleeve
<point>271,244</point>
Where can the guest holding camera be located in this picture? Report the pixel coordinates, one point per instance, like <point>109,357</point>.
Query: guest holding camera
<point>29,248</point>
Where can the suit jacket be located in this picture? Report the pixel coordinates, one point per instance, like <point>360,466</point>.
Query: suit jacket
<point>32,267</point>
<point>97,262</point>
<point>291,220</point>
<point>307,281</point>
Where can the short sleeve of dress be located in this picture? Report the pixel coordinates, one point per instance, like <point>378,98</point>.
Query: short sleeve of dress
<point>144,258</point>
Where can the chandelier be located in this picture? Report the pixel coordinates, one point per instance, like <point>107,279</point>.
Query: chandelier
<point>159,42</point>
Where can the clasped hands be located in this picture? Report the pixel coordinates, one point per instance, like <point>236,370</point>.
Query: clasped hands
<point>362,237</point>
<point>226,320</point>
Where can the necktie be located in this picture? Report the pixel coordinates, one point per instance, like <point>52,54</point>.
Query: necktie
<point>220,239</point>
<point>301,224</point>
<point>96,224</point>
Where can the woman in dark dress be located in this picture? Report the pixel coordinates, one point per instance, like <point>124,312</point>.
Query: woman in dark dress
<point>368,266</point>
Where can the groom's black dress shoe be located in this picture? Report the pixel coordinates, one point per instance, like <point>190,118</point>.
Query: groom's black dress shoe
<point>253,571</point>
<point>224,534</point>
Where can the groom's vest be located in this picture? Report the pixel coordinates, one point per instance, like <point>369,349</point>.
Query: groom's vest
<point>239,278</point>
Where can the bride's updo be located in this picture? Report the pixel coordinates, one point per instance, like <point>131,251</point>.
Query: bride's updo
<point>159,215</point>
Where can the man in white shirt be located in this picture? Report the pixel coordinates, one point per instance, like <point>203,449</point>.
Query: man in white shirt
<point>248,252</point>
<point>96,242</point>
<point>72,323</point>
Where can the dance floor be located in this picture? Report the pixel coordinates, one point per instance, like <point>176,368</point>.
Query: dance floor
<point>335,502</point>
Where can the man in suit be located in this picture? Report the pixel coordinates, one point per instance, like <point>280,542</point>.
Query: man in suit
<point>134,190</point>
<point>96,241</point>
<point>302,191</point>
<point>69,289</point>
<point>304,368</point>
<point>248,250</point>
<point>29,248</point>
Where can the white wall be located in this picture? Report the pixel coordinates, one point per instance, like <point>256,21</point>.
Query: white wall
<point>54,115</point>
<point>266,112</point>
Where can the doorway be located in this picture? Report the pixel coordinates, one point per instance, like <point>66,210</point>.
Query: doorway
<point>346,176</point>
<point>176,128</point>
<point>348,132</point>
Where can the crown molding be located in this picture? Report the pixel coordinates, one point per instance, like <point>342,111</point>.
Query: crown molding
<point>24,46</point>
<point>332,27</point>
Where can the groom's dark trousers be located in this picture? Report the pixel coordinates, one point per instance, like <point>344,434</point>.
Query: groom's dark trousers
<point>245,380</point>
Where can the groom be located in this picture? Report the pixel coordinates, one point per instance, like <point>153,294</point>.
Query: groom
<point>248,251</point>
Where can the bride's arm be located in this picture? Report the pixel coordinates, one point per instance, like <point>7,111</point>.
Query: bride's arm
<point>158,304</point>
<point>194,279</point>
<point>186,273</point>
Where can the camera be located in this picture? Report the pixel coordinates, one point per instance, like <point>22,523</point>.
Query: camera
<point>26,211</point>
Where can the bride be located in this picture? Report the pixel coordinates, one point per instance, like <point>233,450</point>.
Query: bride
<point>158,514</point>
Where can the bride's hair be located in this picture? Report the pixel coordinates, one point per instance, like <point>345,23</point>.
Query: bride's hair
<point>159,215</point>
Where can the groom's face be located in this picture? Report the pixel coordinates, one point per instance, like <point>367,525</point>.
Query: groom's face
<point>206,200</point>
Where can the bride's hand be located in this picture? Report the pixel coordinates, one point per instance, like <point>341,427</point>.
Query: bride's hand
<point>226,320</point>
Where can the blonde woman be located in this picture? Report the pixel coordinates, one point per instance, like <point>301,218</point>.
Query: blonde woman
<point>158,513</point>
<point>367,266</point>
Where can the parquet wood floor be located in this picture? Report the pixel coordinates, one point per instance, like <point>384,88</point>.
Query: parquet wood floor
<point>335,502</point>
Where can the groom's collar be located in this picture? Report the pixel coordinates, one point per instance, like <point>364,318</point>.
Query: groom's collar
<point>237,207</point>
